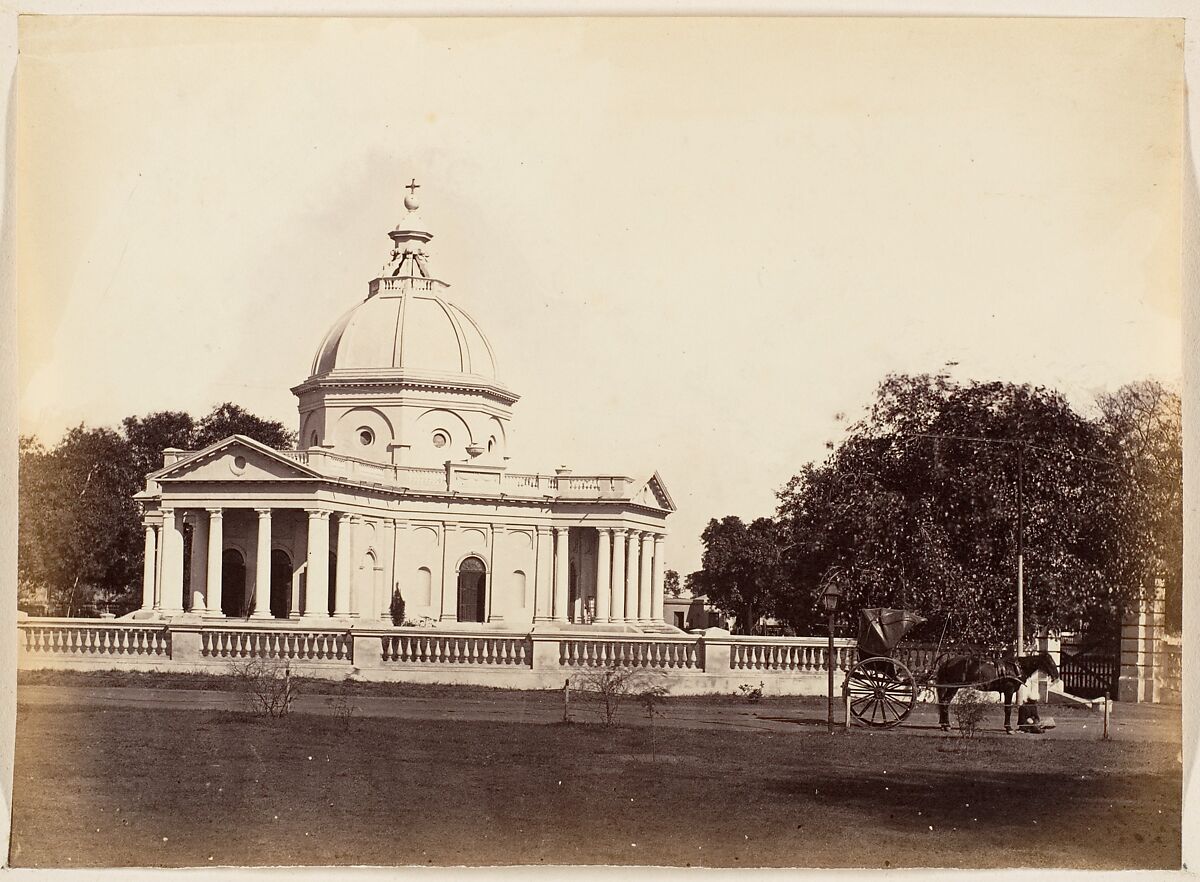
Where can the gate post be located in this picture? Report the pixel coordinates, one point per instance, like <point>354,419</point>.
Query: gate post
<point>1050,644</point>
<point>1140,647</point>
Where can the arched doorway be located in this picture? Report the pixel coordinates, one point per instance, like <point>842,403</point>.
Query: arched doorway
<point>233,584</point>
<point>331,600</point>
<point>281,583</point>
<point>472,590</point>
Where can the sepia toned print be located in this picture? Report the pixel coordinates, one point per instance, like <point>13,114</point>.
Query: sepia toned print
<point>654,442</point>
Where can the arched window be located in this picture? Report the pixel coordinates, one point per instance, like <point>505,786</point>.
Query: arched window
<point>424,593</point>
<point>281,583</point>
<point>472,590</point>
<point>233,584</point>
<point>518,589</point>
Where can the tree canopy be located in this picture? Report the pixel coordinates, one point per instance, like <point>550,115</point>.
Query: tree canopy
<point>924,502</point>
<point>742,569</point>
<point>79,530</point>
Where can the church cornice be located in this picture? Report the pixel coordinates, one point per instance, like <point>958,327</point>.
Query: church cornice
<point>373,381</point>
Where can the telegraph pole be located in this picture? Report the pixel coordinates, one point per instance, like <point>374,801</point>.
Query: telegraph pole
<point>1020,647</point>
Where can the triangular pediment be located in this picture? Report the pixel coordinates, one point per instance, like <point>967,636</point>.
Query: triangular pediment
<point>236,458</point>
<point>654,494</point>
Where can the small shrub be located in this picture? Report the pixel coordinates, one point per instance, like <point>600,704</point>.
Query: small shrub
<point>267,686</point>
<point>343,710</point>
<point>750,692</point>
<point>969,708</point>
<point>609,686</point>
<point>397,607</point>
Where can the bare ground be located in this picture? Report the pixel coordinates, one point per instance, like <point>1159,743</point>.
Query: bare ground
<point>122,785</point>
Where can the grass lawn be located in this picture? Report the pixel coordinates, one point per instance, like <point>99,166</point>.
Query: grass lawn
<point>132,785</point>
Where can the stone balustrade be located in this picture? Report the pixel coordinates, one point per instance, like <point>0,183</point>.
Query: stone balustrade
<point>273,643</point>
<point>84,638</point>
<point>429,647</point>
<point>464,478</point>
<point>794,654</point>
<point>714,662</point>
<point>639,652</point>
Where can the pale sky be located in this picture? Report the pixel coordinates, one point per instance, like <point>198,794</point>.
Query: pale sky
<point>691,242</point>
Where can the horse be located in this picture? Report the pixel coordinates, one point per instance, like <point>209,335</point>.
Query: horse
<point>1003,675</point>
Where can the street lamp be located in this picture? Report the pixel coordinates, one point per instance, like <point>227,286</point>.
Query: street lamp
<point>829,602</point>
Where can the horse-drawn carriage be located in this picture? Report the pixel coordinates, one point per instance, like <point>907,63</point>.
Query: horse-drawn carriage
<point>880,690</point>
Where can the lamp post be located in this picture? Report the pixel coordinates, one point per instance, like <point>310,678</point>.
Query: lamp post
<point>829,602</point>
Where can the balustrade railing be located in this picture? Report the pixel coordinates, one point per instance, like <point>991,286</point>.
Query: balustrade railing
<point>652,653</point>
<point>301,646</point>
<point>429,648</point>
<point>96,639</point>
<point>787,654</point>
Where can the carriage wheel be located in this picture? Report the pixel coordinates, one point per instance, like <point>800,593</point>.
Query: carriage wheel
<point>882,692</point>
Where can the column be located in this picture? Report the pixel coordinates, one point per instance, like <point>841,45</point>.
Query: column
<point>262,567</point>
<point>656,596</point>
<point>617,584</point>
<point>216,550</point>
<point>562,574</point>
<point>148,569</point>
<point>381,599</point>
<point>316,580</point>
<point>158,571</point>
<point>199,568</point>
<point>345,565</point>
<point>631,577</point>
<point>171,584</point>
<point>1141,631</point>
<point>449,579</point>
<point>603,579</point>
<point>543,583</point>
<point>495,579</point>
<point>644,586</point>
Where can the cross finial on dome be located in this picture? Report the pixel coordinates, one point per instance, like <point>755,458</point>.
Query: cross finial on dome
<point>410,201</point>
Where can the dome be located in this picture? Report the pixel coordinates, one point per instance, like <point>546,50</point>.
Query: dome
<point>402,329</point>
<point>406,329</point>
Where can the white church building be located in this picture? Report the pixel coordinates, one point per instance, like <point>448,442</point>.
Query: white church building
<point>399,489</point>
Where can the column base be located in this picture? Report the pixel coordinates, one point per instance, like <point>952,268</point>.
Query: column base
<point>258,617</point>
<point>217,616</point>
<point>444,617</point>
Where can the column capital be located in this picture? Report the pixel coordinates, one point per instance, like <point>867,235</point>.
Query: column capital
<point>315,512</point>
<point>558,531</point>
<point>543,529</point>
<point>215,513</point>
<point>449,527</point>
<point>167,513</point>
<point>263,513</point>
<point>499,528</point>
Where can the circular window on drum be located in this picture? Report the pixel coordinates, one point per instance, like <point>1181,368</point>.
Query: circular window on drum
<point>440,438</point>
<point>366,437</point>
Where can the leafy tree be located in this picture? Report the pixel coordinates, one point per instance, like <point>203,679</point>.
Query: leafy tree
<point>1144,424</point>
<point>918,506</point>
<point>80,538</point>
<point>150,435</point>
<point>229,419</point>
<point>79,534</point>
<point>741,569</point>
<point>671,583</point>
